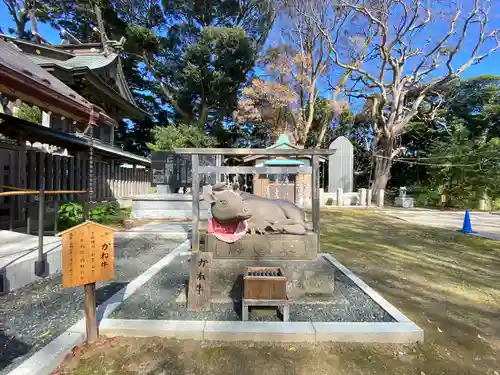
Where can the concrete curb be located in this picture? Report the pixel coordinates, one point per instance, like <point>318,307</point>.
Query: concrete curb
<point>50,357</point>
<point>19,272</point>
<point>313,332</point>
<point>403,331</point>
<point>181,329</point>
<point>381,301</point>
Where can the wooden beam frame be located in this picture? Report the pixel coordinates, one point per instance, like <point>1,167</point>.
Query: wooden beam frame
<point>253,151</point>
<point>252,170</point>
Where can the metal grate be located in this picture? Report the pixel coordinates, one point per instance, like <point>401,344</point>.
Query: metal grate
<point>266,273</point>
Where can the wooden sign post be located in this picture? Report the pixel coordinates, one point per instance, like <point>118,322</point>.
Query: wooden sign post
<point>88,255</point>
<point>200,281</point>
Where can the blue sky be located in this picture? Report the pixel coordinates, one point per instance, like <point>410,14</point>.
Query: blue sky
<point>490,65</point>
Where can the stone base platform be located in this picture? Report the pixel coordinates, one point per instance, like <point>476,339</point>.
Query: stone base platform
<point>18,253</point>
<point>353,313</point>
<point>265,246</point>
<point>308,282</point>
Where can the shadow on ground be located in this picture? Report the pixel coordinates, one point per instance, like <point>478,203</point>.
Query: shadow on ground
<point>10,349</point>
<point>105,292</point>
<point>443,280</point>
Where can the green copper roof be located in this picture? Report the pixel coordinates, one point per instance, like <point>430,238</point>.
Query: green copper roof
<point>91,62</point>
<point>283,138</point>
<point>283,142</point>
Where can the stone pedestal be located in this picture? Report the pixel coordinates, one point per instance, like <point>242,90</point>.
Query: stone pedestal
<point>482,205</point>
<point>405,202</point>
<point>267,246</point>
<point>380,198</point>
<point>369,197</point>
<point>340,197</point>
<point>362,197</point>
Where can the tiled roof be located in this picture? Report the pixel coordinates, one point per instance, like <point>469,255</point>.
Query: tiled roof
<point>87,58</point>
<point>17,66</point>
<point>37,59</point>
<point>12,58</point>
<point>91,62</point>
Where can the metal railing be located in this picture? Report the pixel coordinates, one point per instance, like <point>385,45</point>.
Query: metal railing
<point>40,263</point>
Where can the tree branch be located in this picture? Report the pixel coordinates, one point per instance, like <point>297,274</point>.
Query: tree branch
<point>467,22</point>
<point>10,4</point>
<point>163,87</point>
<point>438,45</point>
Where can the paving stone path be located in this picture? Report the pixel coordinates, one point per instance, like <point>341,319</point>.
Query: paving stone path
<point>486,224</point>
<point>32,316</point>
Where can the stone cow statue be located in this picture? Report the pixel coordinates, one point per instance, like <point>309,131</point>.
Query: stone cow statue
<point>262,214</point>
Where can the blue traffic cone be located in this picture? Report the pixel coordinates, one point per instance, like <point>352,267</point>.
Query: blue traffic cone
<point>467,226</point>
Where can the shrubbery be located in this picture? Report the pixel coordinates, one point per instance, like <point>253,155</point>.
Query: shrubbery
<point>71,214</point>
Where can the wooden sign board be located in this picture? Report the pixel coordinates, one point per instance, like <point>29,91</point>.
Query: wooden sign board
<point>200,281</point>
<point>88,254</point>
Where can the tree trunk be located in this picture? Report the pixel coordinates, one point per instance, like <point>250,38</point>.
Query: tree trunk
<point>101,27</point>
<point>21,26</point>
<point>203,115</point>
<point>310,114</point>
<point>321,136</point>
<point>383,163</point>
<point>34,26</point>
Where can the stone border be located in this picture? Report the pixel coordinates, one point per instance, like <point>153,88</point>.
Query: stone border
<point>403,331</point>
<point>398,316</point>
<point>47,359</point>
<point>18,272</point>
<point>313,332</point>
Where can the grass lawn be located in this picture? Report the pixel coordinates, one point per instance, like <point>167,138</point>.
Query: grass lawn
<point>447,283</point>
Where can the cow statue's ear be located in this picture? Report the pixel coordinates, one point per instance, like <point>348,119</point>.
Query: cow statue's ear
<point>219,186</point>
<point>208,196</point>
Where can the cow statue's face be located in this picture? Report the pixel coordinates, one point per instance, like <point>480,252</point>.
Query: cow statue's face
<point>227,206</point>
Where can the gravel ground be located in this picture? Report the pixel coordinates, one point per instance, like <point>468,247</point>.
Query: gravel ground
<point>157,300</point>
<point>32,316</point>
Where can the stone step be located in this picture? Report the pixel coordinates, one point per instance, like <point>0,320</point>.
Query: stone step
<point>167,206</point>
<point>163,227</point>
<point>18,253</point>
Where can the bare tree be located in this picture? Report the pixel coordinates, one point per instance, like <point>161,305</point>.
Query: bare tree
<point>21,12</point>
<point>295,68</point>
<point>315,74</point>
<point>408,58</point>
<point>310,61</point>
<point>267,105</point>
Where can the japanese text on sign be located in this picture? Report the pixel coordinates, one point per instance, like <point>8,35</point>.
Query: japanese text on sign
<point>88,254</point>
<point>200,279</point>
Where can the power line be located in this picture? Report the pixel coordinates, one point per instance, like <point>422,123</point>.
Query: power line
<point>432,164</point>
<point>450,156</point>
